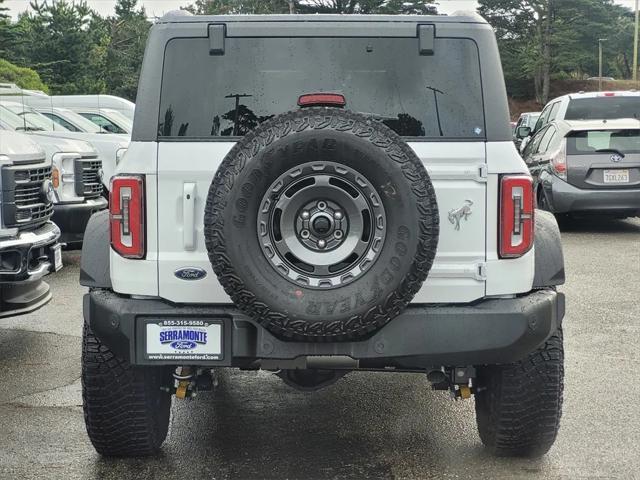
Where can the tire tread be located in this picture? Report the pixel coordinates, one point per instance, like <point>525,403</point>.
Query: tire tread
<point>518,406</point>
<point>124,413</point>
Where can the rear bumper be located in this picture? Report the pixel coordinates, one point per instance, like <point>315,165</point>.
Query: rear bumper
<point>72,218</point>
<point>490,332</point>
<point>565,198</point>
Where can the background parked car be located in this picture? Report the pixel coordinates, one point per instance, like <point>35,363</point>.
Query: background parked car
<point>109,147</point>
<point>73,102</point>
<point>526,120</point>
<point>76,176</point>
<point>110,120</point>
<point>590,106</point>
<point>587,167</point>
<point>70,120</point>
<point>113,114</point>
<point>29,247</point>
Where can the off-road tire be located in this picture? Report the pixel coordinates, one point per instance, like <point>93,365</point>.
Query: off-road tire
<point>349,311</point>
<point>518,406</point>
<point>125,412</point>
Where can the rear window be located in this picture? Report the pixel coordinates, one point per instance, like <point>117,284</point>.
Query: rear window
<point>603,108</point>
<point>604,141</point>
<point>437,96</point>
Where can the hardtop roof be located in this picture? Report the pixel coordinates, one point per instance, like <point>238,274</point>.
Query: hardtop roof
<point>181,16</point>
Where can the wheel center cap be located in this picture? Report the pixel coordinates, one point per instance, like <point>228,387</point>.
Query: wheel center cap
<point>321,225</point>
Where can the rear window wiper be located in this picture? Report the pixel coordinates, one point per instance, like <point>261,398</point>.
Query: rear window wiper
<point>610,150</point>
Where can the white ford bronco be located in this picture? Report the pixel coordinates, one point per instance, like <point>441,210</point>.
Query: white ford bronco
<point>315,195</point>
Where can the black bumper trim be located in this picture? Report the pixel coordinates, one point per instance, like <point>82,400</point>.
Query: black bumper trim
<point>22,298</point>
<point>72,218</point>
<point>489,332</point>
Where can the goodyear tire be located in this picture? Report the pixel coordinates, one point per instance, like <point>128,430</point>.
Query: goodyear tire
<point>321,224</point>
<point>518,406</point>
<point>126,412</point>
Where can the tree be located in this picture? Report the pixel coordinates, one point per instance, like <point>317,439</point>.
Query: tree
<point>234,7</point>
<point>523,29</point>
<point>59,44</point>
<point>126,35</point>
<point>542,39</point>
<point>23,77</point>
<point>228,7</point>
<point>8,33</point>
<point>424,7</point>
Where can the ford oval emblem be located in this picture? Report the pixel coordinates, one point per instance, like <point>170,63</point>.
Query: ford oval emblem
<point>183,345</point>
<point>190,273</point>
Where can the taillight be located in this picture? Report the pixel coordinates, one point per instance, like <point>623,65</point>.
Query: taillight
<point>516,215</point>
<point>126,214</point>
<point>559,161</point>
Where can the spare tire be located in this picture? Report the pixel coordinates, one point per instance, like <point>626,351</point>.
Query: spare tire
<point>321,224</point>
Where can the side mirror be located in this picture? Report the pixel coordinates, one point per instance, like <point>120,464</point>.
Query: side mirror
<point>523,132</point>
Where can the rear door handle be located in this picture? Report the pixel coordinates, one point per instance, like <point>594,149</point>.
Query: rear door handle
<point>188,215</point>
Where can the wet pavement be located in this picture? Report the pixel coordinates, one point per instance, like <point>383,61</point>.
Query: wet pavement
<point>367,425</point>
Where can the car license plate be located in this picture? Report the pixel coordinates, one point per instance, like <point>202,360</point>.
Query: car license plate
<point>57,257</point>
<point>616,176</point>
<point>175,339</point>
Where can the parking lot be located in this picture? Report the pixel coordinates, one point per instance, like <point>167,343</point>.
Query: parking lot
<point>365,426</point>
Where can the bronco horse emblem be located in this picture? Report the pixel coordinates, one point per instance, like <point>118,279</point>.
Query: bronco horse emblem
<point>458,214</point>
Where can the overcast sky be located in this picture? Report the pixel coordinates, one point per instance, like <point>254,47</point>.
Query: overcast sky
<point>160,7</point>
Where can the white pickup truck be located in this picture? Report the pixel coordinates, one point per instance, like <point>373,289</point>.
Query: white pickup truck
<point>29,247</point>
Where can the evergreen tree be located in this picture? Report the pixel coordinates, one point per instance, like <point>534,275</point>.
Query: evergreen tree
<point>59,44</point>
<point>229,7</point>
<point>127,31</point>
<point>544,39</point>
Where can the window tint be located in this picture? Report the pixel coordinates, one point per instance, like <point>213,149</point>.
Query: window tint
<point>436,95</point>
<point>542,120</point>
<point>603,108</point>
<point>532,146</point>
<point>589,142</point>
<point>61,121</point>
<point>15,121</point>
<point>43,122</point>
<point>546,139</point>
<point>554,111</point>
<point>102,122</point>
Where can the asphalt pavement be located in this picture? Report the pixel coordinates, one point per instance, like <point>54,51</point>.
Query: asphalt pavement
<point>367,425</point>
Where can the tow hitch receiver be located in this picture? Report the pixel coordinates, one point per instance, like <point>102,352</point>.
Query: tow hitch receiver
<point>458,380</point>
<point>188,381</point>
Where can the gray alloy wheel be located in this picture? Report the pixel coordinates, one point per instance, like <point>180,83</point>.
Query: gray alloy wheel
<point>321,224</point>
